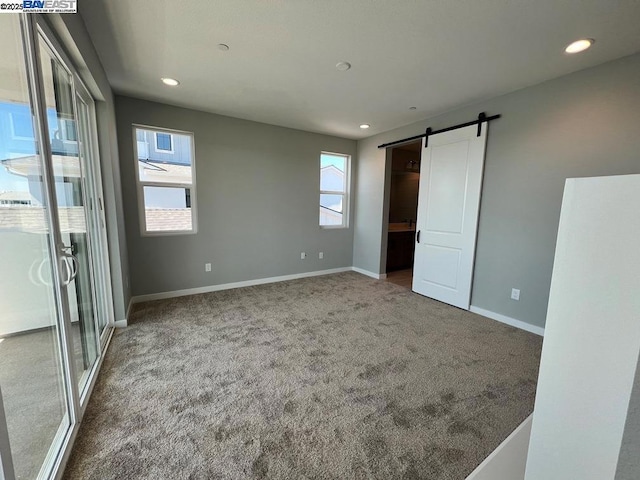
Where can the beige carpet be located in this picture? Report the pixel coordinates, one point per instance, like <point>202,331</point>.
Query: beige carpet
<point>334,377</point>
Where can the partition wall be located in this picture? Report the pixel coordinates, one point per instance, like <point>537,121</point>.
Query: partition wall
<point>56,310</point>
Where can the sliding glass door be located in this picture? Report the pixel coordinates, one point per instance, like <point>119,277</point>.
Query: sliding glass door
<point>31,366</point>
<point>55,305</point>
<point>70,182</point>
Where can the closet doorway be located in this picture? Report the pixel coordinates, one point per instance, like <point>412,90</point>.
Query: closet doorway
<point>403,212</point>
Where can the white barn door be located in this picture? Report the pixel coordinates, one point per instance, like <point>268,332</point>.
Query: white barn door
<point>448,205</point>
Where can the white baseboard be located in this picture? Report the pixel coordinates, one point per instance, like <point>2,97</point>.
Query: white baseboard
<point>508,320</point>
<point>509,460</point>
<point>124,322</point>
<point>228,286</point>
<point>377,276</point>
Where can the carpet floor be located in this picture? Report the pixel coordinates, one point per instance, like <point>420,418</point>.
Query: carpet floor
<point>333,377</point>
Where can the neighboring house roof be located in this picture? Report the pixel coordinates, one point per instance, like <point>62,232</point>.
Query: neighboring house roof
<point>330,210</point>
<point>29,219</point>
<point>18,196</point>
<point>332,168</point>
<point>331,178</point>
<point>164,172</point>
<point>31,166</point>
<point>331,171</point>
<point>163,219</point>
<point>330,217</point>
<point>69,166</point>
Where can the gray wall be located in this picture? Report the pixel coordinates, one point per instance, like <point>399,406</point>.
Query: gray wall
<point>257,198</point>
<point>73,35</point>
<point>583,124</point>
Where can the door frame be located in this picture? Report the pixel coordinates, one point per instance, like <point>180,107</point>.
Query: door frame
<point>95,177</point>
<point>31,33</point>
<point>103,280</point>
<point>386,202</point>
<point>6,461</point>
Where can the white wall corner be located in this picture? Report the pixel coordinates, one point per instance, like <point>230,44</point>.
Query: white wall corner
<point>509,460</point>
<point>123,323</point>
<point>377,276</point>
<point>508,320</point>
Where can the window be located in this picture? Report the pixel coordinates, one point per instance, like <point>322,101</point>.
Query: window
<point>21,123</point>
<point>166,189</point>
<point>69,132</point>
<point>164,142</point>
<point>334,190</point>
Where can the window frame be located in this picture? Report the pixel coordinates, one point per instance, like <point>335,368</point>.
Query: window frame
<point>346,193</point>
<point>140,184</point>
<point>162,150</point>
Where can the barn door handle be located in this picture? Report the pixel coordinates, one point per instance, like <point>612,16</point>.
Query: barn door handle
<point>418,237</point>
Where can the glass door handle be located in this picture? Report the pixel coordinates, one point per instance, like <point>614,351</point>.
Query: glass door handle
<point>66,269</point>
<point>69,264</point>
<point>73,265</point>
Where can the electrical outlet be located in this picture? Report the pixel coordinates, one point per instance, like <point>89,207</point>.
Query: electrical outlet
<point>321,255</point>
<point>303,255</point>
<point>207,267</point>
<point>515,294</point>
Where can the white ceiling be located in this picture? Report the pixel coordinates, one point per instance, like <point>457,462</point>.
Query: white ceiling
<point>280,69</point>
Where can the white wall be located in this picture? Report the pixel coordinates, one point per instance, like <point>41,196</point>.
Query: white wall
<point>592,335</point>
<point>508,461</point>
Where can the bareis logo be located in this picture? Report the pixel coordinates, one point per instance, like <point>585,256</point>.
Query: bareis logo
<point>50,5</point>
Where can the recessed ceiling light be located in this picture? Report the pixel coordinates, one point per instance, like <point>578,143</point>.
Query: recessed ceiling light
<point>343,66</point>
<point>223,47</point>
<point>579,45</point>
<point>172,82</point>
<point>364,126</point>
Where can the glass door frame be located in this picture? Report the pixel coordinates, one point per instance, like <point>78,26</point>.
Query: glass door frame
<point>34,71</point>
<point>6,461</point>
<point>42,30</point>
<point>103,291</point>
<point>35,29</point>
